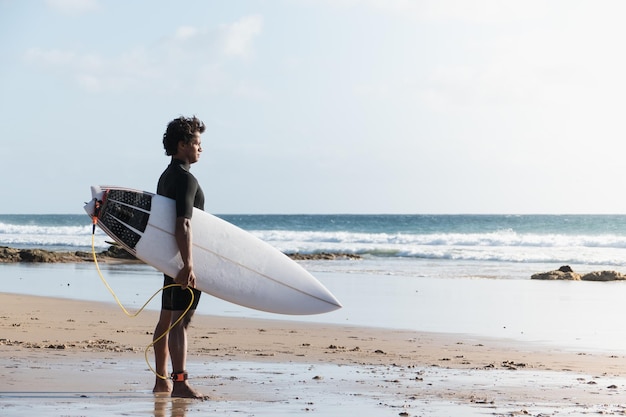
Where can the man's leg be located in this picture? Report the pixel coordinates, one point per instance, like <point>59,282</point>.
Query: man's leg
<point>161,353</point>
<point>178,351</point>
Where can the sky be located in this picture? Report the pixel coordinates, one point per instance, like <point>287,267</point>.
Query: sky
<point>328,106</point>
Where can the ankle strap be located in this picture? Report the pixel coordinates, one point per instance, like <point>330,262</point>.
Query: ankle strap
<point>179,376</point>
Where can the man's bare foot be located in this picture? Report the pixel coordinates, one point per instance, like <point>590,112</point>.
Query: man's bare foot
<point>183,390</point>
<point>161,385</point>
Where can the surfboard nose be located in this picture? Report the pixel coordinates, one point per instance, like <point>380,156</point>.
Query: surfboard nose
<point>333,303</point>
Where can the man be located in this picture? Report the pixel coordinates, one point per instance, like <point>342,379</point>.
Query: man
<point>183,143</point>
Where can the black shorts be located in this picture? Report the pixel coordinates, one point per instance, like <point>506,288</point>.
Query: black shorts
<point>177,299</point>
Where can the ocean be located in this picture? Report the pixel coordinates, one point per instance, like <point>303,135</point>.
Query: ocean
<point>487,240</point>
<point>466,274</point>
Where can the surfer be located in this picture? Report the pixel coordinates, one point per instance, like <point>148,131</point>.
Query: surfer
<point>182,142</point>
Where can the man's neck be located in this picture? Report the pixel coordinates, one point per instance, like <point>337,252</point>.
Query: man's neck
<point>183,161</point>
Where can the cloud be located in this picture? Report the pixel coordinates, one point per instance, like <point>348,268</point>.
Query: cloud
<point>74,7</point>
<point>238,37</point>
<point>189,55</point>
<point>477,11</point>
<point>185,33</point>
<point>554,66</point>
<point>233,40</point>
<point>93,72</point>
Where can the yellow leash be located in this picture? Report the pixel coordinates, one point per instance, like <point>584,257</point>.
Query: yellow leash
<point>95,260</point>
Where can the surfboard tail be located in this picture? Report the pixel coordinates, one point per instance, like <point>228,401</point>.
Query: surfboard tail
<point>90,206</point>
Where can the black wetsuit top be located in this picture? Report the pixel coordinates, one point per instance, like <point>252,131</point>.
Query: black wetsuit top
<point>179,184</point>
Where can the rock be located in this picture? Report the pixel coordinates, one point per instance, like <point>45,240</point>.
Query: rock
<point>322,256</point>
<point>604,276</point>
<point>9,255</point>
<point>566,273</point>
<point>118,252</point>
<point>38,255</point>
<point>558,274</point>
<point>12,255</point>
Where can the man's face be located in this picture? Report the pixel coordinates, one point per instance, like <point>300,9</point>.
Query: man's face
<point>191,151</point>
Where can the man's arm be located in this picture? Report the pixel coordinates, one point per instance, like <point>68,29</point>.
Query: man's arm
<point>183,235</point>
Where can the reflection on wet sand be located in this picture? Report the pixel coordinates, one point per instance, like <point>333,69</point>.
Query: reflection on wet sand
<point>166,406</point>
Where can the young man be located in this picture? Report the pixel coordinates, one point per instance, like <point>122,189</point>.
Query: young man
<point>183,143</point>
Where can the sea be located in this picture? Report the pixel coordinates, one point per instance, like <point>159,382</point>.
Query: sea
<point>465,274</point>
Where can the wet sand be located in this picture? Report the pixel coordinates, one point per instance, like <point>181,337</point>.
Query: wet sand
<point>66,357</point>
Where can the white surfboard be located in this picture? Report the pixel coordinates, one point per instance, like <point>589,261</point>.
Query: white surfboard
<point>229,262</point>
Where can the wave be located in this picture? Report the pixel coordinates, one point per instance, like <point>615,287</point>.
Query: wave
<point>485,247</point>
<point>500,246</point>
<point>51,237</point>
<point>493,239</point>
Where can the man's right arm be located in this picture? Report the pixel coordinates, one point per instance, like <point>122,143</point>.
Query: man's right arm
<point>184,239</point>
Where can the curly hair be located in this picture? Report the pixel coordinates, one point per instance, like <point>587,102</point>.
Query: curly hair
<point>181,129</point>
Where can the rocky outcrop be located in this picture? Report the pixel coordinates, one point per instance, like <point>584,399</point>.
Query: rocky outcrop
<point>117,254</point>
<point>322,256</point>
<point>604,276</point>
<point>566,273</point>
<point>12,255</point>
<point>563,273</point>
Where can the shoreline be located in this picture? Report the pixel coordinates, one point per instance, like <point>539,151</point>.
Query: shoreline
<point>51,346</point>
<point>103,327</point>
<point>115,254</point>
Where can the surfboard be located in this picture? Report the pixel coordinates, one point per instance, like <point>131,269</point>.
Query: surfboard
<point>229,262</point>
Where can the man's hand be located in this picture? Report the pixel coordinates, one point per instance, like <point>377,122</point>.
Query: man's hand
<point>186,277</point>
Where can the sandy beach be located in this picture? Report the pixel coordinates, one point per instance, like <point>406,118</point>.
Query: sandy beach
<point>67,357</point>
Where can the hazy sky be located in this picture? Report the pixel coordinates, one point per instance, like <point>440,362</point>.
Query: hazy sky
<point>337,106</point>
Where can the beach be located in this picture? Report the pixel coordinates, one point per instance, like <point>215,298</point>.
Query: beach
<point>440,317</point>
<point>71,357</point>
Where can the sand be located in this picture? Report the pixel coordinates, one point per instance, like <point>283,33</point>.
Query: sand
<point>75,358</point>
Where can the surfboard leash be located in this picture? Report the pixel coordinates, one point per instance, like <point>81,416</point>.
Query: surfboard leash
<point>135,314</point>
